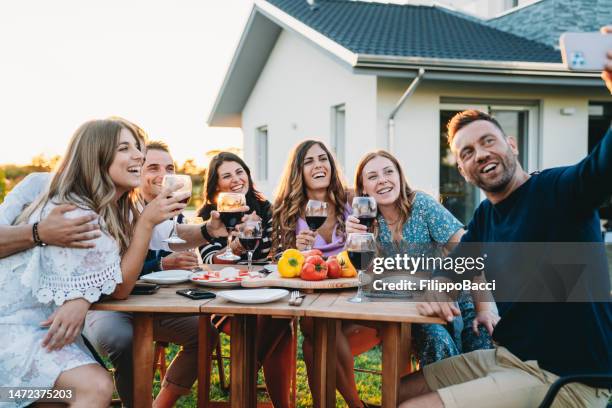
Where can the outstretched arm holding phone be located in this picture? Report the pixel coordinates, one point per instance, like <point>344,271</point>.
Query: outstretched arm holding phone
<point>606,75</point>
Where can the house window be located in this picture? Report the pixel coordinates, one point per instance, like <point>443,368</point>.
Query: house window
<point>261,147</point>
<point>338,132</point>
<point>462,198</point>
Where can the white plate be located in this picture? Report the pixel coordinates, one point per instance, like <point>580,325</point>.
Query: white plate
<point>271,268</point>
<point>167,277</point>
<point>253,296</point>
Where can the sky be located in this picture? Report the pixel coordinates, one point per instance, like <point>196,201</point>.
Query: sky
<point>157,63</point>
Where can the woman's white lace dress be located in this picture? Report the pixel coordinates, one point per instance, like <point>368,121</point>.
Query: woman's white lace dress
<point>33,284</point>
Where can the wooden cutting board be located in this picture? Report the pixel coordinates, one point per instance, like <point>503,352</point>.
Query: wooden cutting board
<point>274,279</point>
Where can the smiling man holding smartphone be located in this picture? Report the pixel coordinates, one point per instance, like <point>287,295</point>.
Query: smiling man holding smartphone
<point>536,343</point>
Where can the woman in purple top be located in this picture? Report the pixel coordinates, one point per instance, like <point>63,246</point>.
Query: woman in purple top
<point>311,173</point>
<point>333,247</point>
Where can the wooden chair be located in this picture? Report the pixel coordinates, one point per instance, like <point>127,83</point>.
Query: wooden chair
<point>592,380</point>
<point>367,338</point>
<point>219,323</point>
<point>159,362</point>
<point>159,359</point>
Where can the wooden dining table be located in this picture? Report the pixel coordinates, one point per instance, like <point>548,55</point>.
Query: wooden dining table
<point>327,309</point>
<point>243,361</point>
<point>393,318</point>
<point>144,308</point>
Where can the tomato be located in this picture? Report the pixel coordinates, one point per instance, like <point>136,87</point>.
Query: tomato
<point>314,269</point>
<point>333,268</point>
<point>312,252</point>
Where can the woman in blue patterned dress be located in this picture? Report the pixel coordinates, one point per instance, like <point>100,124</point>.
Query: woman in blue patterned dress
<point>414,219</point>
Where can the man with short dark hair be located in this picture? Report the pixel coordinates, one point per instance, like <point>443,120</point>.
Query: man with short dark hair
<point>536,342</point>
<point>159,163</point>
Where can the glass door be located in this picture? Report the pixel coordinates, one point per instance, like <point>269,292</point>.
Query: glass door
<point>462,198</point>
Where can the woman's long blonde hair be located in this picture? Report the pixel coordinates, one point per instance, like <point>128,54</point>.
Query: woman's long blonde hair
<point>290,199</point>
<point>406,196</point>
<point>83,178</point>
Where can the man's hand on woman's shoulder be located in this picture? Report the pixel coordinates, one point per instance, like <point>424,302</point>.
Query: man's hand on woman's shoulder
<point>58,230</point>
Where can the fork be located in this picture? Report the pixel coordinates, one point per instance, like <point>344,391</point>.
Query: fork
<point>296,298</point>
<point>293,297</point>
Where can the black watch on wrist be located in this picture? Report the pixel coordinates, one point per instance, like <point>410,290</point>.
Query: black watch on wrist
<point>205,233</point>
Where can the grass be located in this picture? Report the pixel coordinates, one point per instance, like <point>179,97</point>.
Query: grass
<point>368,385</point>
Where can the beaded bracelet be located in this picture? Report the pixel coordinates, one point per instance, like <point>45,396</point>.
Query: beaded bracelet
<point>36,237</point>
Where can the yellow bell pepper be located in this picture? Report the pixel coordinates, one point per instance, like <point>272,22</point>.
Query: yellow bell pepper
<point>347,268</point>
<point>290,263</point>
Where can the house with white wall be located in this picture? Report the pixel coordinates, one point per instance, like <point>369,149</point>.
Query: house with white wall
<point>361,76</point>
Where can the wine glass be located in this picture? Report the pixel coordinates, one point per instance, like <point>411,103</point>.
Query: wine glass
<point>196,251</point>
<point>361,249</point>
<point>315,214</point>
<point>250,235</point>
<point>172,180</point>
<point>364,209</point>
<point>230,208</point>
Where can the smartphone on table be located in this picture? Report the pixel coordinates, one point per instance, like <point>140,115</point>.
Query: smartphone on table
<point>196,294</point>
<point>143,288</point>
<point>585,51</point>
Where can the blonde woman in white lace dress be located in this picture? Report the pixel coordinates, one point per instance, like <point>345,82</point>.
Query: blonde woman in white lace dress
<point>47,290</point>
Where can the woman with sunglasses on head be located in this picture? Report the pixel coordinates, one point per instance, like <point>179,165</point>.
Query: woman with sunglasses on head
<point>411,220</point>
<point>48,289</point>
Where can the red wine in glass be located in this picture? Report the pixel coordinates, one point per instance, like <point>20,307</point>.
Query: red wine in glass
<point>315,221</point>
<point>366,220</point>
<point>361,260</point>
<point>231,219</point>
<point>250,244</point>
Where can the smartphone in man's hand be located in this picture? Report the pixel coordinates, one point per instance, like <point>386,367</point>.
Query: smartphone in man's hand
<point>585,51</point>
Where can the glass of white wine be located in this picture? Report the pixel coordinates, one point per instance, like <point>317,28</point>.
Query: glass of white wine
<point>185,181</point>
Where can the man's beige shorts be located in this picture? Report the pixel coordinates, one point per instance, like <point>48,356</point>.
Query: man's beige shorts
<point>497,378</point>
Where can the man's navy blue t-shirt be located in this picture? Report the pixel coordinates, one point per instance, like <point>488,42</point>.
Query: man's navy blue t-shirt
<point>555,205</point>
